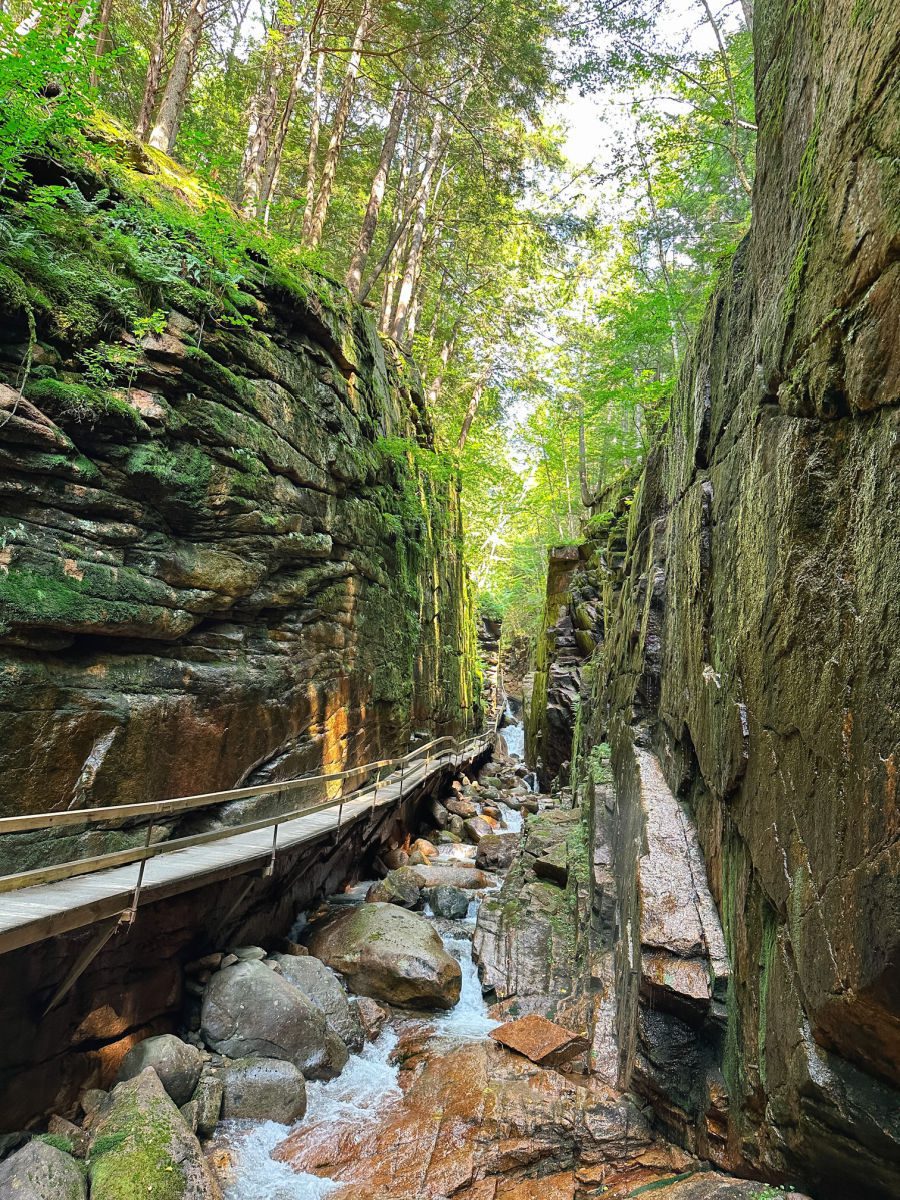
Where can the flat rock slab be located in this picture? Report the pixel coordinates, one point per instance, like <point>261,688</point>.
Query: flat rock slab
<point>542,1041</point>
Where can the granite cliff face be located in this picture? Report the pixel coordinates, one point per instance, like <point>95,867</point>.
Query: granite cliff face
<point>737,734</point>
<point>233,558</point>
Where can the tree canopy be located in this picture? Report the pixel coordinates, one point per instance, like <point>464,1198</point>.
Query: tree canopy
<point>417,152</point>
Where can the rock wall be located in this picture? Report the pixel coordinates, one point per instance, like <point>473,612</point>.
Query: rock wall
<point>738,733</point>
<point>234,559</point>
<point>565,641</point>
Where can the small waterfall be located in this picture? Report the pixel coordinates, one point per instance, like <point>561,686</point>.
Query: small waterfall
<point>365,1087</point>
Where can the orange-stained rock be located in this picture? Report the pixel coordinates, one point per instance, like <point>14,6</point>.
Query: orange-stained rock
<point>474,1124</point>
<point>540,1040</point>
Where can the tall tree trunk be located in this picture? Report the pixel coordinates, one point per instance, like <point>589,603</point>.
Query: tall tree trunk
<point>312,153</point>
<point>376,192</point>
<point>740,169</point>
<point>301,66</point>
<point>263,110</point>
<point>171,108</point>
<point>472,409</point>
<point>417,236</point>
<point>586,497</point>
<point>338,126</point>
<point>103,18</point>
<point>154,71</point>
<point>437,384</point>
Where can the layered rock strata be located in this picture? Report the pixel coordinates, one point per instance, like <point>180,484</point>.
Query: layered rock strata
<point>233,559</point>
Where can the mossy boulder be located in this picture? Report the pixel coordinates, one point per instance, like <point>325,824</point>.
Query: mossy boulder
<point>390,954</point>
<point>142,1149</point>
<point>41,1171</point>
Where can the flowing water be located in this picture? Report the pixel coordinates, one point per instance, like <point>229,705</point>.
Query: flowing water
<point>368,1085</point>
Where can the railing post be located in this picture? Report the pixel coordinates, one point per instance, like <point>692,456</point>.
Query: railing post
<point>129,918</point>
<point>375,791</point>
<point>269,869</point>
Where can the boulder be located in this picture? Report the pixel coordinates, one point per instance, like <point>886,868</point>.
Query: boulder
<point>423,846</point>
<point>417,858</point>
<point>372,1016</point>
<point>452,836</point>
<point>141,1145</point>
<point>438,813</point>
<point>543,1041</point>
<point>448,901</point>
<point>395,858</point>
<point>263,1089</point>
<point>496,851</point>
<point>207,1101</point>
<point>320,985</point>
<point>248,953</point>
<point>468,878</point>
<point>390,954</point>
<point>177,1064</point>
<point>402,886</point>
<point>491,810</point>
<point>251,1010</point>
<point>40,1171</point>
<point>461,806</point>
<point>476,828</point>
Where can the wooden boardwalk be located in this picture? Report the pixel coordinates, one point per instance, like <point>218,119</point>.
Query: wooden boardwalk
<point>32,914</point>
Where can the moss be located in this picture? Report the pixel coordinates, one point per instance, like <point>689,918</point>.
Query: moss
<point>81,402</point>
<point>766,960</point>
<point>57,1141</point>
<point>181,473</point>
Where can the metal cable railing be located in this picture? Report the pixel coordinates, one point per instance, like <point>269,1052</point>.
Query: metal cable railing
<point>441,751</point>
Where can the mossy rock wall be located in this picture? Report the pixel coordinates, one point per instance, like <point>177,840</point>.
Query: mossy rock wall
<point>749,647</point>
<point>227,549</point>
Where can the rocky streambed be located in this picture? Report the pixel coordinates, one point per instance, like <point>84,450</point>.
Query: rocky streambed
<point>370,1056</point>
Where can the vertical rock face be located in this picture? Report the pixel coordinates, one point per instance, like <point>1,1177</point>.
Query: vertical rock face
<point>564,643</point>
<point>243,565</point>
<point>738,732</point>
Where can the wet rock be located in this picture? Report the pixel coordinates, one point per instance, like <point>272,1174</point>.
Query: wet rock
<point>509,1119</point>
<point>490,810</point>
<point>453,835</point>
<point>320,985</point>
<point>467,878</point>
<point>416,859</point>
<point>372,1016</point>
<point>496,851</point>
<point>448,901</point>
<point>40,1171</point>
<point>177,1064</point>
<point>263,1089</point>
<point>423,846</point>
<point>476,828</point>
<point>540,1040</point>
<point>711,1185</point>
<point>250,1010</point>
<point>390,954</point>
<point>461,806</point>
<point>138,1137</point>
<point>402,886</point>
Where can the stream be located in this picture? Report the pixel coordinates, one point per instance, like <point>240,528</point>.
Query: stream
<point>369,1084</point>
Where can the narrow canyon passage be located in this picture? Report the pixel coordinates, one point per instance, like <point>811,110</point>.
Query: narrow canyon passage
<point>449,638</point>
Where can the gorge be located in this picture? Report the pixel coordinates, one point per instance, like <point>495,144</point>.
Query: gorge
<point>604,906</point>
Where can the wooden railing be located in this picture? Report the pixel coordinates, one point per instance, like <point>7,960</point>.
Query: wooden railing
<point>440,752</point>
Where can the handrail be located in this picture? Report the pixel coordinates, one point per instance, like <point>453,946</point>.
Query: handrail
<point>141,854</point>
<point>183,804</point>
